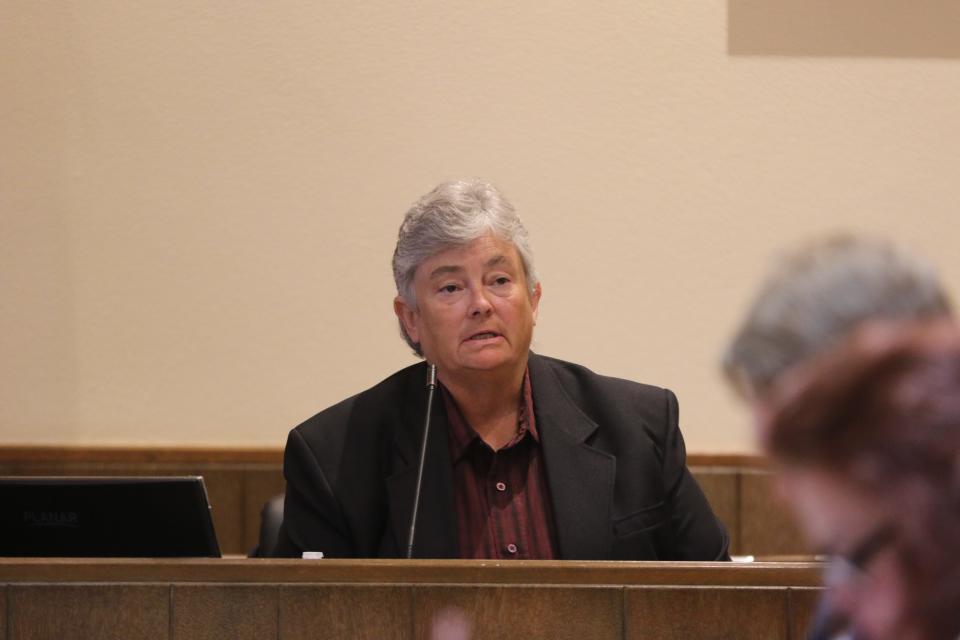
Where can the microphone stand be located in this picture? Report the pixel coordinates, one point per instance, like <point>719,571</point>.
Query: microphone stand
<point>431,387</point>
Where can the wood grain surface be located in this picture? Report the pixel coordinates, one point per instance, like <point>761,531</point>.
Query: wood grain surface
<point>397,599</point>
<point>681,613</point>
<point>213,611</point>
<point>522,572</point>
<point>81,612</point>
<point>368,612</point>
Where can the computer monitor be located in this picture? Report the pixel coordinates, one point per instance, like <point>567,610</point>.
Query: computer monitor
<point>132,517</point>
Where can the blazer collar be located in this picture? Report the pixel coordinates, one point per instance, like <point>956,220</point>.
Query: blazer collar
<point>580,477</point>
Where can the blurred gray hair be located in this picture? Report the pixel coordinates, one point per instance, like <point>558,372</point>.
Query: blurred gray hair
<point>819,293</point>
<point>455,214</point>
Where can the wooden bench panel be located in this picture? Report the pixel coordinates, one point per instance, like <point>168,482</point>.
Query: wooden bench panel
<point>345,612</point>
<point>80,612</point>
<point>721,485</point>
<point>766,527</point>
<point>215,611</point>
<point>293,599</point>
<point>803,604</point>
<point>261,483</point>
<point>516,611</point>
<point>400,612</point>
<point>680,613</point>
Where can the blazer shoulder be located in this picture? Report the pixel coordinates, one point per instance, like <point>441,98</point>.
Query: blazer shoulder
<point>365,410</point>
<point>575,378</point>
<point>612,400</point>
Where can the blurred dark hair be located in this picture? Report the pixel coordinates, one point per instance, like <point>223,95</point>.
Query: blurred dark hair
<point>882,411</point>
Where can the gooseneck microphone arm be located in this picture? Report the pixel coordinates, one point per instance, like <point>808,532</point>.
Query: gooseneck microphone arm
<point>431,387</point>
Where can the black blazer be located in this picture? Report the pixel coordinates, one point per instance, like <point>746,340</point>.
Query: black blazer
<point>612,450</point>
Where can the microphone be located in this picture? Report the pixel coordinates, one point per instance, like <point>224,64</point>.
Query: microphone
<point>431,387</point>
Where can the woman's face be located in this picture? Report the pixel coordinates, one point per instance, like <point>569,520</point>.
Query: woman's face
<point>852,528</point>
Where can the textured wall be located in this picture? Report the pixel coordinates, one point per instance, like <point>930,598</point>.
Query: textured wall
<point>198,200</point>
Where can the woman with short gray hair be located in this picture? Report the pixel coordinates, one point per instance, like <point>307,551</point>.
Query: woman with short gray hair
<point>453,214</point>
<point>527,457</point>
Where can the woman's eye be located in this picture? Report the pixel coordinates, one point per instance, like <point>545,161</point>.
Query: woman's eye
<point>448,288</point>
<point>501,280</point>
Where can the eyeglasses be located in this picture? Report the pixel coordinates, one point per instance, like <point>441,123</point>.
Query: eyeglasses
<point>848,568</point>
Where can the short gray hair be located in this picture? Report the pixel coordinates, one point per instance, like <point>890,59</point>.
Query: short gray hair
<point>455,214</point>
<point>820,292</point>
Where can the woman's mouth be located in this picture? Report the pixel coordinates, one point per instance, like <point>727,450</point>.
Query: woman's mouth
<point>485,335</point>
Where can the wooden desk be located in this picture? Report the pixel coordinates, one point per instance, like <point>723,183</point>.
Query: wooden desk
<point>389,599</point>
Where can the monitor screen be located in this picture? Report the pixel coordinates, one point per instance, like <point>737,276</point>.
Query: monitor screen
<point>142,517</point>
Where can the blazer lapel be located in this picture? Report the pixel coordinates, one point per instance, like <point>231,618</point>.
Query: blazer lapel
<point>436,532</point>
<point>580,477</point>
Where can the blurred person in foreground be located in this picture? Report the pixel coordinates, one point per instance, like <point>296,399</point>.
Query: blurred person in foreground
<point>867,440</point>
<point>815,296</point>
<point>528,456</point>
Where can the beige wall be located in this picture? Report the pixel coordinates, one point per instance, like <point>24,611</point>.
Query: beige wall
<point>199,200</point>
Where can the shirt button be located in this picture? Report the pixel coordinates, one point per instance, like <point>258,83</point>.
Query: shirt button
<point>511,548</point>
<point>501,486</point>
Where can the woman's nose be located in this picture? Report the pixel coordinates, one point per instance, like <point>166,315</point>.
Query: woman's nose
<point>479,304</point>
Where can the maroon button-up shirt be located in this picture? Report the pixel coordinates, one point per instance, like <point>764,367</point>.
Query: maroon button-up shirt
<point>501,497</point>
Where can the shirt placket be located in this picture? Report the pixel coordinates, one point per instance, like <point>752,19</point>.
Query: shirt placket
<point>508,544</point>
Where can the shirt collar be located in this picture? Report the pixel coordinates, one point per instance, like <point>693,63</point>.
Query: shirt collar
<point>462,434</point>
